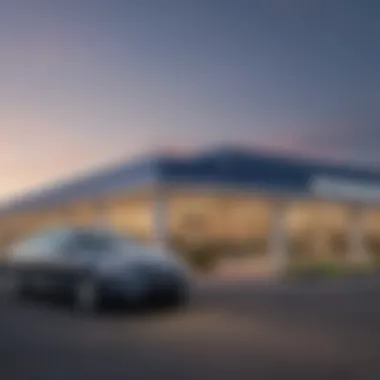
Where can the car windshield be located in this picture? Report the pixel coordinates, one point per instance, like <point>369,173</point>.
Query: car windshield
<point>98,242</point>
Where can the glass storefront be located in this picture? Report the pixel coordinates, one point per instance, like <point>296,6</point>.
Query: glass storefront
<point>238,224</point>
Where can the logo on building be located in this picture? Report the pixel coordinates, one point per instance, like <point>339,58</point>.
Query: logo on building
<point>345,189</point>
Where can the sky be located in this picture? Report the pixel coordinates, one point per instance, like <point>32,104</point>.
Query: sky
<point>89,82</point>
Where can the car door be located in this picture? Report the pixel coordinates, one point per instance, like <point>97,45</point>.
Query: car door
<point>74,264</point>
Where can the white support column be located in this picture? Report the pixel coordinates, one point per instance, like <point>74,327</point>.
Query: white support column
<point>160,216</point>
<point>357,252</point>
<point>277,238</point>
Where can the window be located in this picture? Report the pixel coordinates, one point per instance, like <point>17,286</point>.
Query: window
<point>94,243</point>
<point>41,244</point>
<point>48,241</point>
<point>18,249</point>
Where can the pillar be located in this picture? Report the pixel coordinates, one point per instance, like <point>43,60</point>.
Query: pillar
<point>160,218</point>
<point>277,238</point>
<point>357,252</point>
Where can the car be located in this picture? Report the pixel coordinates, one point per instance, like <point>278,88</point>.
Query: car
<point>93,265</point>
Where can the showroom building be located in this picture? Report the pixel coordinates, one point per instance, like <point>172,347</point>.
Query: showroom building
<point>276,209</point>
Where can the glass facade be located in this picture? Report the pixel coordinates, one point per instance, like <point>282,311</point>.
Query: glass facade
<point>239,223</point>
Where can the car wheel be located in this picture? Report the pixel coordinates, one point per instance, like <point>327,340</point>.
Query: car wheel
<point>86,297</point>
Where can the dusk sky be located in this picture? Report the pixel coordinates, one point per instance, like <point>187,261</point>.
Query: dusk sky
<point>85,83</point>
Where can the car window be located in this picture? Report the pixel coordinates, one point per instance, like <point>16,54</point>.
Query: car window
<point>93,243</point>
<point>27,247</point>
<point>98,241</point>
<point>19,249</point>
<point>40,244</point>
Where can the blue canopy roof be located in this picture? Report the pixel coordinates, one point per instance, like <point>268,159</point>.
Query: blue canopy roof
<point>219,167</point>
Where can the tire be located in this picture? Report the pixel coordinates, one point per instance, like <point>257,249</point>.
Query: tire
<point>87,297</point>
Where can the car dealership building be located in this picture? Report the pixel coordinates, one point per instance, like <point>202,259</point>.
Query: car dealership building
<point>277,209</point>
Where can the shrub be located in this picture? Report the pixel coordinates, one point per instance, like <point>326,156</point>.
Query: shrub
<point>320,269</point>
<point>203,258</point>
<point>358,269</point>
<point>327,269</point>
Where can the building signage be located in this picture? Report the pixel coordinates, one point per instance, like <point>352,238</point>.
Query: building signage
<point>345,189</point>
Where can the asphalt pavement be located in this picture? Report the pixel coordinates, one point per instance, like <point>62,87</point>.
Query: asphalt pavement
<point>239,330</point>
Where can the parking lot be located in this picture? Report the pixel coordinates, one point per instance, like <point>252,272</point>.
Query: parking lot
<point>240,330</point>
